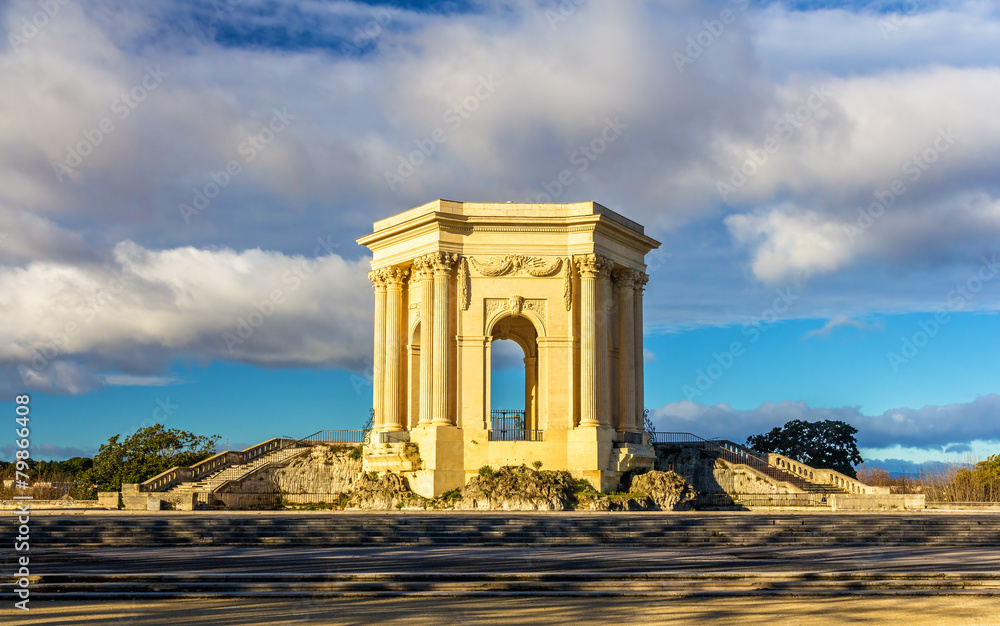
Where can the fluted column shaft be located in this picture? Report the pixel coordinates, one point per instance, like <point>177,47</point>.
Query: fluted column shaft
<point>587,267</point>
<point>442,271</point>
<point>426,273</point>
<point>378,357</point>
<point>604,328</point>
<point>639,357</point>
<point>393,332</point>
<point>624,285</point>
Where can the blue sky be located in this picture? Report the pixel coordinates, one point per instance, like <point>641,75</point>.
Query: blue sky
<point>822,176</point>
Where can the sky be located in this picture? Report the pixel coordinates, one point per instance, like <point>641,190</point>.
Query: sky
<point>822,175</point>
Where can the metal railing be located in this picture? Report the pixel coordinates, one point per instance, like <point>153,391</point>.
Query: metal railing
<point>250,459</point>
<point>510,425</point>
<point>336,436</point>
<point>733,453</point>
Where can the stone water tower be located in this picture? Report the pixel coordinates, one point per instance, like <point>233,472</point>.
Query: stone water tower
<point>565,282</point>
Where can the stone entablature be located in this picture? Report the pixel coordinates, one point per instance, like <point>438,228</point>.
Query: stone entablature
<point>564,281</point>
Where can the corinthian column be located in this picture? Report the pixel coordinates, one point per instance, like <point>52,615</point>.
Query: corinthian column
<point>378,357</point>
<point>393,332</point>
<point>640,401</point>
<point>425,270</point>
<point>624,284</point>
<point>604,341</point>
<point>588,268</point>
<point>442,271</point>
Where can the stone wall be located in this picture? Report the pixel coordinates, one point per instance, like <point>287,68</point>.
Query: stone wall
<point>876,502</point>
<point>326,469</point>
<point>41,505</point>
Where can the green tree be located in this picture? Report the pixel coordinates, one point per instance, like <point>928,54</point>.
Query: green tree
<point>824,445</point>
<point>146,453</point>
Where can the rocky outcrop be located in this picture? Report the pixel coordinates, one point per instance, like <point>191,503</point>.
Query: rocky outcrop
<point>666,490</point>
<point>383,493</point>
<point>327,469</point>
<point>513,488</point>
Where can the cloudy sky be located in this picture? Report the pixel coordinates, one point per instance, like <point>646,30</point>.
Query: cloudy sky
<point>823,176</point>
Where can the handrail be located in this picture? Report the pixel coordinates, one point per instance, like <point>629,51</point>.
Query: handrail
<point>734,453</point>
<point>251,456</point>
<point>824,476</point>
<point>167,479</point>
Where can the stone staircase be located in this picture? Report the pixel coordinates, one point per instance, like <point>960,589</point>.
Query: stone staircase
<point>213,481</point>
<point>508,528</point>
<point>806,479</point>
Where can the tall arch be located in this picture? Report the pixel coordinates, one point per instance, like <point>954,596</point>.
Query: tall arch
<point>523,332</point>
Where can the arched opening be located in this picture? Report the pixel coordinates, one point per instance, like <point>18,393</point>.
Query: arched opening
<point>507,375</point>
<point>512,380</point>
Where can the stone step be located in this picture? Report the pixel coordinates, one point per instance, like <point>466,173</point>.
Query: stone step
<point>127,586</point>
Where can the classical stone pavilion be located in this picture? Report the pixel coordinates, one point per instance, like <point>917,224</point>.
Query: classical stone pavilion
<point>565,282</point>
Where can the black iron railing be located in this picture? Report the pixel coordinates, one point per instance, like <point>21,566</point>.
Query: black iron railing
<point>336,436</point>
<point>509,425</point>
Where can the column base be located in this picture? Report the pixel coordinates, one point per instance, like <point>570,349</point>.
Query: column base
<point>442,462</point>
<point>589,453</point>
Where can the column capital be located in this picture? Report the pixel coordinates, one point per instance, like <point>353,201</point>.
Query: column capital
<point>443,262</point>
<point>641,278</point>
<point>423,267</point>
<point>625,279</point>
<point>393,276</point>
<point>592,265</point>
<point>378,281</point>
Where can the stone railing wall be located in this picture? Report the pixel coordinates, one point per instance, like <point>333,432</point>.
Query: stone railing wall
<point>824,476</point>
<point>174,475</point>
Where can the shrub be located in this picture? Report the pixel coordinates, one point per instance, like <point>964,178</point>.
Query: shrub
<point>486,471</point>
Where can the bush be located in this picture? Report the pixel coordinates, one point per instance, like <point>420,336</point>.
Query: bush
<point>486,471</point>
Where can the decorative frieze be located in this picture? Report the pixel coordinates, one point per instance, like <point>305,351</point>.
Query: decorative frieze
<point>568,285</point>
<point>515,264</point>
<point>463,284</point>
<point>515,305</point>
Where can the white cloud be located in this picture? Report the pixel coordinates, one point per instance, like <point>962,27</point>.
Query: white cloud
<point>928,428</point>
<point>790,244</point>
<point>149,306</point>
<point>838,322</point>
